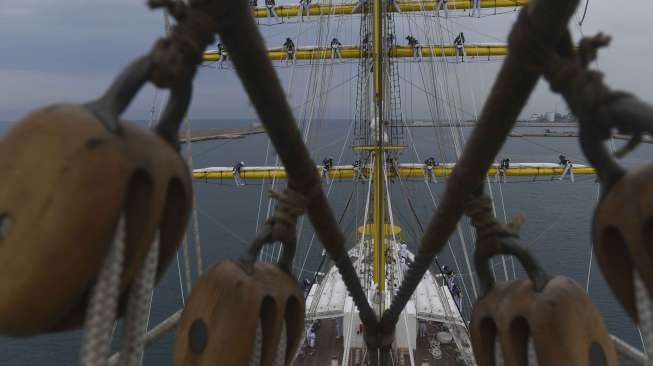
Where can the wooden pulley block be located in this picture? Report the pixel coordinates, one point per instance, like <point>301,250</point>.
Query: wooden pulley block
<point>219,322</point>
<point>622,233</point>
<point>553,315</point>
<point>66,180</point>
<point>561,322</point>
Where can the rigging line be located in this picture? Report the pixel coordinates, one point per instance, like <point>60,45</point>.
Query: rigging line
<point>481,81</point>
<point>580,159</point>
<point>580,23</point>
<point>223,226</point>
<point>457,145</point>
<point>487,178</point>
<point>433,95</point>
<point>324,255</point>
<point>589,265</point>
<point>307,125</point>
<point>329,190</point>
<point>194,219</point>
<point>444,301</point>
<point>559,218</point>
<point>213,148</point>
<point>450,245</point>
<point>306,122</point>
<point>438,109</point>
<point>153,114</point>
<point>505,219</point>
<point>153,109</point>
<point>260,199</point>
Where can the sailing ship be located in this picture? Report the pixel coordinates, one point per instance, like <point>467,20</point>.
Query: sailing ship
<point>345,307</point>
<point>432,329</point>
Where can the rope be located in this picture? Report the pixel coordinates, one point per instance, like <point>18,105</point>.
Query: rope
<point>196,230</point>
<point>156,333</point>
<point>103,304</point>
<point>645,313</point>
<point>257,350</point>
<point>138,309</point>
<point>629,351</point>
<point>291,206</point>
<point>255,357</point>
<point>401,275</point>
<point>479,210</point>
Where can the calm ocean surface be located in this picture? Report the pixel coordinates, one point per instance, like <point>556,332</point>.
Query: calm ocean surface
<point>558,224</point>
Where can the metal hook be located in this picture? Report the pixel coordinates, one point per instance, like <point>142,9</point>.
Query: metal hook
<point>122,91</point>
<point>115,100</point>
<point>509,246</point>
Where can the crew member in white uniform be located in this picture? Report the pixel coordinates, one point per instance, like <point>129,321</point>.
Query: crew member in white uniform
<point>443,5</point>
<point>236,171</point>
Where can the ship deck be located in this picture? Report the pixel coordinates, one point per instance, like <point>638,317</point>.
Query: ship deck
<point>329,349</point>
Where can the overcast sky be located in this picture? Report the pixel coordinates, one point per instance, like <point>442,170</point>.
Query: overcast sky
<point>70,50</point>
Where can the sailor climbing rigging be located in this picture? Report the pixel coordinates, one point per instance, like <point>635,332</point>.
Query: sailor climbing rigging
<point>359,5</point>
<point>222,54</point>
<point>311,336</point>
<point>335,48</point>
<point>417,48</point>
<point>429,173</point>
<point>307,287</point>
<point>304,7</point>
<point>459,43</point>
<point>289,48</point>
<point>270,5</point>
<point>358,171</point>
<point>450,279</point>
<point>327,164</point>
<point>403,250</point>
<point>502,170</point>
<point>365,44</point>
<point>568,168</point>
<point>443,5</point>
<point>476,8</point>
<point>391,40</point>
<point>236,171</point>
<point>394,5</point>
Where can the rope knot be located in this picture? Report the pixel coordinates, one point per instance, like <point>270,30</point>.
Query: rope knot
<point>291,205</point>
<point>479,210</point>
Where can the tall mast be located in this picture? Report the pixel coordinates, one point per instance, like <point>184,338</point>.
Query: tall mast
<point>378,177</point>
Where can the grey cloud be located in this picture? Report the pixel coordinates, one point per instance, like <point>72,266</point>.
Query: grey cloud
<point>70,50</point>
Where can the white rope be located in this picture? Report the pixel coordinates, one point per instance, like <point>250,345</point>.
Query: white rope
<point>156,333</point>
<point>280,358</point>
<point>500,361</point>
<point>257,350</point>
<point>138,309</point>
<point>103,304</point>
<point>645,313</point>
<point>589,265</point>
<point>340,155</point>
<point>255,357</point>
<point>435,205</point>
<point>632,353</point>
<point>394,239</point>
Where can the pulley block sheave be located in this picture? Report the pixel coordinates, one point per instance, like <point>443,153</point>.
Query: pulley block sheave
<point>550,319</point>
<point>238,311</point>
<point>623,236</point>
<point>69,172</point>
